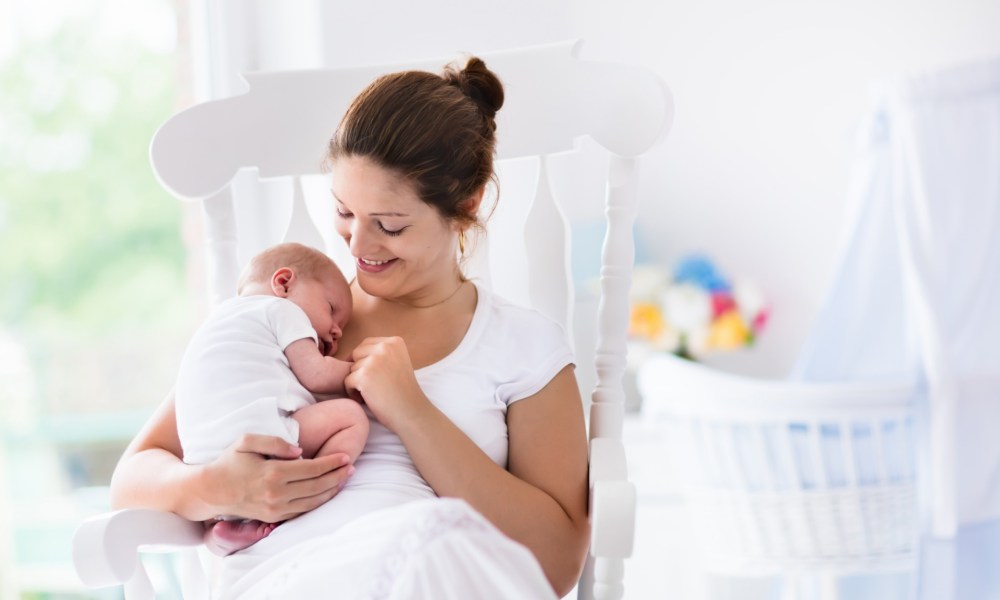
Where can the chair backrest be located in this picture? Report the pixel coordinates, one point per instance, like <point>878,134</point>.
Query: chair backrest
<point>785,476</point>
<point>280,129</point>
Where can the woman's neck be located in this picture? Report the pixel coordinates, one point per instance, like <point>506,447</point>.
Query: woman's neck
<point>427,301</point>
<point>430,332</point>
<point>446,291</point>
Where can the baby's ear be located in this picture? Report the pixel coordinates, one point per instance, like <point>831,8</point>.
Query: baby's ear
<point>281,281</point>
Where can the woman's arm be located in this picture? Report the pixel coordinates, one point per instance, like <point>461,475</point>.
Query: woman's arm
<point>539,501</point>
<point>242,481</point>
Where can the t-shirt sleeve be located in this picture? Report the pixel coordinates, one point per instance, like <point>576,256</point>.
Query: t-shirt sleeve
<point>289,323</point>
<point>539,351</point>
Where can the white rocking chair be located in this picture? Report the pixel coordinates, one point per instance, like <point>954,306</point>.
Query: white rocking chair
<point>280,129</point>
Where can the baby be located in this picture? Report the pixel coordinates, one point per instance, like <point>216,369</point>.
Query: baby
<point>260,363</point>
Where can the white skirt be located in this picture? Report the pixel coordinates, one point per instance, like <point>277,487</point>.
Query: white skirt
<point>434,549</point>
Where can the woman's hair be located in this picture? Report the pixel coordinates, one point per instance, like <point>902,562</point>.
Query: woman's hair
<point>437,131</point>
<point>306,262</point>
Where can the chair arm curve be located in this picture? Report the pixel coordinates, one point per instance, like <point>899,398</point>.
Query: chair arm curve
<point>106,547</point>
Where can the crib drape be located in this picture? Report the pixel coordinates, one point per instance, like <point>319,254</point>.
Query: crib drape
<point>916,296</point>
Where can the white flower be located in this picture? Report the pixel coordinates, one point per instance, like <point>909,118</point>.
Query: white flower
<point>688,308</point>
<point>749,299</point>
<point>648,284</point>
<point>669,341</point>
<point>697,343</point>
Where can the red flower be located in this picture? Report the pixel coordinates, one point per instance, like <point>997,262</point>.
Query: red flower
<point>722,302</point>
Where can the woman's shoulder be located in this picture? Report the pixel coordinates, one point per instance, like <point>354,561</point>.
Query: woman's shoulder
<point>522,347</point>
<point>519,320</point>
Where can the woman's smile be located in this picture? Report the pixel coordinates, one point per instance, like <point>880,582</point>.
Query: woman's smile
<point>374,266</point>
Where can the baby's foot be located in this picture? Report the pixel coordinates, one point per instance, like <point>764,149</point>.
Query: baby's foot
<point>225,537</point>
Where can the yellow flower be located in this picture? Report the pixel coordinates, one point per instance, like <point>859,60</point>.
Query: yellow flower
<point>646,321</point>
<point>728,331</point>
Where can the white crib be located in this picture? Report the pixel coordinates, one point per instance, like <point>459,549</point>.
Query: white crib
<point>805,481</point>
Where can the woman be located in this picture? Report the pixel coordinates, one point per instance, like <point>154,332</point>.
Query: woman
<point>470,397</point>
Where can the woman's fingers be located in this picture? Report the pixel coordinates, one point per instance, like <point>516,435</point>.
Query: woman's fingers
<point>311,493</point>
<point>316,485</point>
<point>304,505</point>
<point>272,481</point>
<point>309,469</point>
<point>372,344</point>
<point>382,377</point>
<point>267,445</point>
<point>351,387</point>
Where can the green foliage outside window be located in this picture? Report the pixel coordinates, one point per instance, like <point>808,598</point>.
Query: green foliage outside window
<point>94,265</point>
<point>94,301</point>
<point>89,237</point>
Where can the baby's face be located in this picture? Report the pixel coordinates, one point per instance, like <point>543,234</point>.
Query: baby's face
<point>327,303</point>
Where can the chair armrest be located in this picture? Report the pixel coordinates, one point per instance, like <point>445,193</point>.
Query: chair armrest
<point>612,500</point>
<point>106,547</point>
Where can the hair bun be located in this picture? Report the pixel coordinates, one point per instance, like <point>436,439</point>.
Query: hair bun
<point>479,83</point>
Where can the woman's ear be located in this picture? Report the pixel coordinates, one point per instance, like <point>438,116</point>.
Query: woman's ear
<point>470,206</point>
<point>281,281</point>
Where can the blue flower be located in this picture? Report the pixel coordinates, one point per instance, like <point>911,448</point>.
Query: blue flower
<point>698,269</point>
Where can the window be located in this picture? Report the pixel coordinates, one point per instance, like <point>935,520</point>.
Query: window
<point>96,308</point>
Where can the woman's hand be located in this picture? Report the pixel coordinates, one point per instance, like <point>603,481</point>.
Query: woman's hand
<point>382,376</point>
<point>261,477</point>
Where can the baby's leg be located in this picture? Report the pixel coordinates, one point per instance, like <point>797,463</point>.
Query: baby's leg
<point>225,537</point>
<point>331,426</point>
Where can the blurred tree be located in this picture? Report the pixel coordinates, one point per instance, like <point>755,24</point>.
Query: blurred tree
<point>93,258</point>
<point>94,305</point>
<point>94,301</point>
<point>87,234</point>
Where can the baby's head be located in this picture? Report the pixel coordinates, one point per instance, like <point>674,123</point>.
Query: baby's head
<point>308,278</point>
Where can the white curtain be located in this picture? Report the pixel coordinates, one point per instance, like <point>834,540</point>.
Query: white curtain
<point>916,297</point>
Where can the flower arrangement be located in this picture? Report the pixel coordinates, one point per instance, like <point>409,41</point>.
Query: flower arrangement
<point>693,311</point>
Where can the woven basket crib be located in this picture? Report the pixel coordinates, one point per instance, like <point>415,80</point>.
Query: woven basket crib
<point>787,478</point>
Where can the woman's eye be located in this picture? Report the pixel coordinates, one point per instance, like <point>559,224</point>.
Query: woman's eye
<point>343,215</point>
<point>390,231</point>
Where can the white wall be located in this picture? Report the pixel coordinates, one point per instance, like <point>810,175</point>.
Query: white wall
<point>767,94</point>
<point>374,32</point>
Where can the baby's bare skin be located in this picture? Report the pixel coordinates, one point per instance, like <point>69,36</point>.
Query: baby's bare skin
<point>225,537</point>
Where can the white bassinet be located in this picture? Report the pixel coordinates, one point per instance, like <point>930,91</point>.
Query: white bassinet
<point>787,478</point>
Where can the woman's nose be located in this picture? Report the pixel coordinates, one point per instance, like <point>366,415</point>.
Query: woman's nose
<point>358,240</point>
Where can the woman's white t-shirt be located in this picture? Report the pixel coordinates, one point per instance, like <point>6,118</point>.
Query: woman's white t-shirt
<point>508,353</point>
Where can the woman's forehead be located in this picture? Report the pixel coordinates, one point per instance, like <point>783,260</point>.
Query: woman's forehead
<point>362,185</point>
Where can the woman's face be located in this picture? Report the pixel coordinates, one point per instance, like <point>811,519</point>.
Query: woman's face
<point>404,249</point>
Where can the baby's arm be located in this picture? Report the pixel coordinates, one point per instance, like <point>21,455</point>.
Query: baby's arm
<point>319,374</point>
